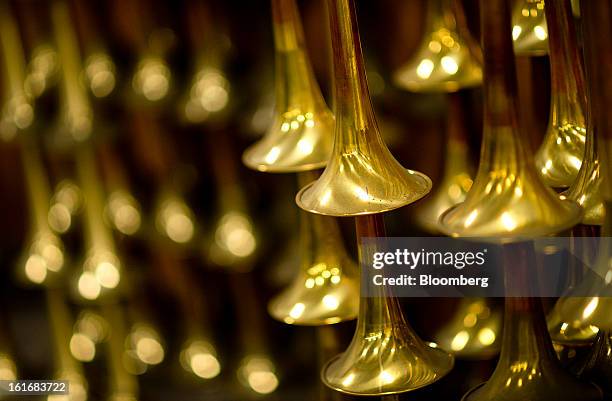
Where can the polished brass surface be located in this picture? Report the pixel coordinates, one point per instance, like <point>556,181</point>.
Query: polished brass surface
<point>528,368</point>
<point>594,309</point>
<point>448,59</point>
<point>507,201</point>
<point>474,331</point>
<point>326,288</point>
<point>598,365</point>
<point>529,29</point>
<point>562,151</point>
<point>385,356</point>
<point>571,334</point>
<point>301,135</point>
<point>457,175</point>
<point>362,176</point>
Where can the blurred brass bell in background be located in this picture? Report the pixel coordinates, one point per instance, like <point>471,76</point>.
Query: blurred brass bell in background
<point>474,331</point>
<point>362,177</point>
<point>560,156</point>
<point>43,258</point>
<point>326,289</point>
<point>299,138</point>
<point>457,173</point>
<point>448,59</point>
<point>529,29</point>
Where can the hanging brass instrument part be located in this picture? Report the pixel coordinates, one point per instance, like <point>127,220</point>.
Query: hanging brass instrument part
<point>562,151</point>
<point>448,59</point>
<point>326,289</point>
<point>152,78</point>
<point>65,203</point>
<point>42,70</point>
<point>101,273</point>
<point>457,175</point>
<point>300,138</point>
<point>257,370</point>
<point>598,365</point>
<point>474,331</point>
<point>144,348</point>
<point>89,331</point>
<point>77,116</point>
<point>507,200</point>
<point>593,304</point>
<point>385,356</point>
<point>123,386</point>
<point>209,93</point>
<point>67,368</point>
<point>529,29</point>
<point>17,111</point>
<point>528,368</point>
<point>174,219</point>
<point>362,176</point>
<point>8,370</point>
<point>44,258</point>
<point>99,68</point>
<point>200,357</point>
<point>122,210</point>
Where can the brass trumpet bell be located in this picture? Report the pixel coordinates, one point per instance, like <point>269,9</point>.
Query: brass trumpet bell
<point>300,137</point>
<point>326,289</point>
<point>385,356</point>
<point>529,29</point>
<point>448,59</point>
<point>507,200</point>
<point>594,308</point>
<point>474,332</point>
<point>362,176</point>
<point>563,148</point>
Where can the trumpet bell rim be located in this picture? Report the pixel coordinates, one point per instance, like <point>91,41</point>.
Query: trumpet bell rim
<point>344,390</point>
<point>373,207</point>
<point>529,233</point>
<point>274,168</point>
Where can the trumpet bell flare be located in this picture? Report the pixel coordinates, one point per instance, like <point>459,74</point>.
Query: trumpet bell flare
<point>297,141</point>
<point>529,29</point>
<point>316,301</point>
<point>587,311</point>
<point>559,158</point>
<point>510,207</point>
<point>474,332</point>
<point>382,363</point>
<point>359,184</point>
<point>534,383</point>
<point>443,63</point>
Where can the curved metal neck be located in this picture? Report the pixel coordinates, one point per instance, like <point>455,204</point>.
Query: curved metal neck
<point>353,104</point>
